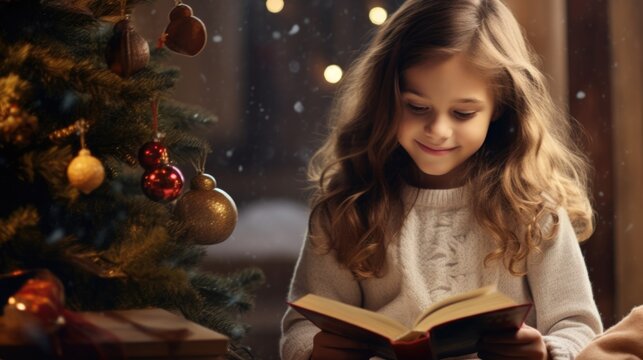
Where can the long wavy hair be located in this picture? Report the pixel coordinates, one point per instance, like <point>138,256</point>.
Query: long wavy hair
<point>527,167</point>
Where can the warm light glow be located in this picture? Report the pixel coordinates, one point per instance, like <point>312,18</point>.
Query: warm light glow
<point>21,306</point>
<point>12,300</point>
<point>333,74</point>
<point>377,15</point>
<point>274,6</point>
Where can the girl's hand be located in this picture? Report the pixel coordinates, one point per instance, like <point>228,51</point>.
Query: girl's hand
<point>526,343</point>
<point>331,346</point>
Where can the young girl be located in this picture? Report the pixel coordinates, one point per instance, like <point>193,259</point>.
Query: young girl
<point>448,168</point>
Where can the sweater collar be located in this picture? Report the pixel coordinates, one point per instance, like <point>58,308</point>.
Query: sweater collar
<point>439,198</point>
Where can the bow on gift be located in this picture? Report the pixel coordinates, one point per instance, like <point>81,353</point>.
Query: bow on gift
<point>35,323</point>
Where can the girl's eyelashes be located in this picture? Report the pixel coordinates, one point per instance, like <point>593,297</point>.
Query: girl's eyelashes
<point>421,110</point>
<point>418,109</point>
<point>464,115</point>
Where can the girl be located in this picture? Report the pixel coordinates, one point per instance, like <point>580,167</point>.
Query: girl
<point>448,168</point>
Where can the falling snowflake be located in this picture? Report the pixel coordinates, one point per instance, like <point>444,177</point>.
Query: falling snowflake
<point>294,66</point>
<point>293,30</point>
<point>299,107</point>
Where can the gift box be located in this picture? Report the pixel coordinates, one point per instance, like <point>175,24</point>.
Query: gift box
<point>128,334</point>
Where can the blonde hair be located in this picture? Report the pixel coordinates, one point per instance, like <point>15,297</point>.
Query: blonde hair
<point>527,167</point>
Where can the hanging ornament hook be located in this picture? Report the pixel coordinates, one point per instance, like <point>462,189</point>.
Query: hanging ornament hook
<point>82,126</point>
<point>199,162</point>
<point>155,119</point>
<point>123,8</point>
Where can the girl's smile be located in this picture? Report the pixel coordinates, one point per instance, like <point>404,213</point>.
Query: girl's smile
<point>435,150</point>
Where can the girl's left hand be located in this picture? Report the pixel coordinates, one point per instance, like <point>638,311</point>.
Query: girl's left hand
<point>526,343</point>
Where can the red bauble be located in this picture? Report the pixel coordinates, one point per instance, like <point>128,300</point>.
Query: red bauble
<point>152,154</point>
<point>186,34</point>
<point>162,183</point>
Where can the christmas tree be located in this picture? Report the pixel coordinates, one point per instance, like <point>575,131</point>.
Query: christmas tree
<point>78,103</point>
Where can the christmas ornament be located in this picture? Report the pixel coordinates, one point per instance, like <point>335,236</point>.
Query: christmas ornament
<point>153,154</point>
<point>162,183</point>
<point>17,126</point>
<point>38,305</point>
<point>185,34</point>
<point>127,51</point>
<point>85,172</point>
<point>208,214</point>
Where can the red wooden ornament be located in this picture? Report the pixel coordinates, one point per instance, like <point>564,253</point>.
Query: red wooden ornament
<point>127,51</point>
<point>185,34</point>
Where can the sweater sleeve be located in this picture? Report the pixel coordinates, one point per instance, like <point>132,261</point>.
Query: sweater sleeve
<point>320,274</point>
<point>565,309</point>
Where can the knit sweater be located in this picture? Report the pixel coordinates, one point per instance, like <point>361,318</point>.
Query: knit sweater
<point>440,252</point>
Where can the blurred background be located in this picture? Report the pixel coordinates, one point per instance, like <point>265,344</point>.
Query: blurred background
<point>269,72</point>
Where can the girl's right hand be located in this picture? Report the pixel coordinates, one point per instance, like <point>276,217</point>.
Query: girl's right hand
<point>335,347</point>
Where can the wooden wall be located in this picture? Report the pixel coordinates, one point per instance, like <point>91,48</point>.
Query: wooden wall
<point>626,27</point>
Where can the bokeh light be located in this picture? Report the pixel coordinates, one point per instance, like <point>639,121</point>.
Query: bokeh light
<point>333,73</point>
<point>274,6</point>
<point>377,15</point>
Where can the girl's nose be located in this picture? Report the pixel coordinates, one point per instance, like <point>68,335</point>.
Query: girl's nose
<point>438,128</point>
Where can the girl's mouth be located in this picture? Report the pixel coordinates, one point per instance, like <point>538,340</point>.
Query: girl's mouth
<point>435,150</point>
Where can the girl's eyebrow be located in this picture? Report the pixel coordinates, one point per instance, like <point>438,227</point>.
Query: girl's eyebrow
<point>459,101</point>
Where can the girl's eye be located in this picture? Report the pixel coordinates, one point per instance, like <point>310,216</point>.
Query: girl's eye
<point>417,109</point>
<point>464,115</point>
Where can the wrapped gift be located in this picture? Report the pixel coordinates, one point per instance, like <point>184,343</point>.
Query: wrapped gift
<point>127,334</point>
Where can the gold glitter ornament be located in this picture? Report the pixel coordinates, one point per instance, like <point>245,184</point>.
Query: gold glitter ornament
<point>209,214</point>
<point>85,172</point>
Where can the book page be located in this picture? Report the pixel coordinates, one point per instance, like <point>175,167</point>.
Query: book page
<point>454,299</point>
<point>465,308</point>
<point>365,319</point>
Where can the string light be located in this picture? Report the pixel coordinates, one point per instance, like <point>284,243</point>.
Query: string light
<point>333,73</point>
<point>274,6</point>
<point>377,15</point>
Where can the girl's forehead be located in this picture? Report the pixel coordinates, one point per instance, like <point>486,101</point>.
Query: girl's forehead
<point>454,76</point>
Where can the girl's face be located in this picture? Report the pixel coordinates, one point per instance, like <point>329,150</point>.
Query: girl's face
<point>447,108</point>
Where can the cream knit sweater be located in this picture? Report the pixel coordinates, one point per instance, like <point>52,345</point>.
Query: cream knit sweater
<point>440,252</point>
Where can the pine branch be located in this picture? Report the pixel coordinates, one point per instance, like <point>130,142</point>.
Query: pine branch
<point>22,217</point>
<point>112,8</point>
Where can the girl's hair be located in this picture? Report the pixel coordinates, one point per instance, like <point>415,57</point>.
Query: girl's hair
<point>527,167</point>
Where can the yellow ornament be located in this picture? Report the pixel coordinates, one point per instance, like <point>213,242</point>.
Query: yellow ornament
<point>209,215</point>
<point>85,172</point>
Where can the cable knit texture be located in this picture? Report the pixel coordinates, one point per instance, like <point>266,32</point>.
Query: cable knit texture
<point>440,252</point>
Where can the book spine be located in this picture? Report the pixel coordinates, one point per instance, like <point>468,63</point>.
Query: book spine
<point>419,349</point>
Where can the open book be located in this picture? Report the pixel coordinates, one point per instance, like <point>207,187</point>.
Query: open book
<point>449,327</point>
